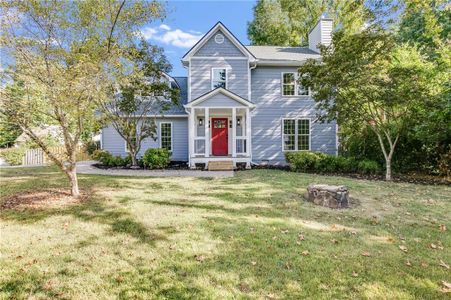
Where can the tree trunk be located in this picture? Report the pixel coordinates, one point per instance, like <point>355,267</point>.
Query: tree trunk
<point>388,169</point>
<point>134,160</point>
<point>72,175</point>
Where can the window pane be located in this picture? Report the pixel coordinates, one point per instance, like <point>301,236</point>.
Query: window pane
<point>302,90</point>
<point>288,142</point>
<point>303,142</point>
<point>303,126</point>
<point>166,139</point>
<point>288,90</point>
<point>217,84</point>
<point>303,134</point>
<point>219,74</point>
<point>288,126</point>
<point>288,78</point>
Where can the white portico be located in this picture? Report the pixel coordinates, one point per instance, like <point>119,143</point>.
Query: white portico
<point>219,126</point>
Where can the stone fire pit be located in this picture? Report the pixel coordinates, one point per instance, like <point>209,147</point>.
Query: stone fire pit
<point>332,196</point>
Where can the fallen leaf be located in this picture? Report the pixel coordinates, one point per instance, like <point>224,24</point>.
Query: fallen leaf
<point>442,227</point>
<point>172,247</point>
<point>253,263</point>
<point>367,254</point>
<point>443,264</point>
<point>403,248</point>
<point>424,264</point>
<point>446,287</point>
<point>200,258</point>
<point>284,231</point>
<point>305,253</point>
<point>433,246</point>
<point>355,274</point>
<point>334,241</point>
<point>408,263</point>
<point>119,279</point>
<point>301,237</point>
<point>244,287</point>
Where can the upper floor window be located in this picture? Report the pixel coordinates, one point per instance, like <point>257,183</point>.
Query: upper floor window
<point>218,78</point>
<point>291,86</point>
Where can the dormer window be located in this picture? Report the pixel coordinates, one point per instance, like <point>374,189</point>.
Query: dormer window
<point>291,86</point>
<point>218,78</point>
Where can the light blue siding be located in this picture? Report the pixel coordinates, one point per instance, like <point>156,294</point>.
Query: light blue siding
<point>115,144</point>
<point>211,48</point>
<point>220,100</point>
<point>237,75</point>
<point>272,107</point>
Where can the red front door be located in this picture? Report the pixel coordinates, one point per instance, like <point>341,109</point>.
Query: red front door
<point>220,137</point>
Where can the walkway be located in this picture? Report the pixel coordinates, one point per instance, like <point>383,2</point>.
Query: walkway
<point>85,167</point>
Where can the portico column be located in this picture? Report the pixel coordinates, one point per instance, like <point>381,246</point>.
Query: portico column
<point>207,132</point>
<point>234,132</point>
<point>248,132</point>
<point>191,136</point>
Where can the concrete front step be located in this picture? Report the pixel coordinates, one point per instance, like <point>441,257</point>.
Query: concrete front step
<point>220,165</point>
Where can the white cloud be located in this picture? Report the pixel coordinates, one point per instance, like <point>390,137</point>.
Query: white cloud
<point>148,32</point>
<point>175,37</point>
<point>164,27</point>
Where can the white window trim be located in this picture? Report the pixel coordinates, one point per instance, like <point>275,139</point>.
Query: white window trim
<point>296,134</point>
<point>226,80</point>
<point>296,75</point>
<point>125,147</point>
<point>172,135</point>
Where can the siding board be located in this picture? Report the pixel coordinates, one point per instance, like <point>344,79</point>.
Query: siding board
<point>272,107</point>
<point>115,144</point>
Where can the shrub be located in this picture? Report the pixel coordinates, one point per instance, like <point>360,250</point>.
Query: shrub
<point>13,156</point>
<point>156,158</point>
<point>347,164</point>
<point>92,146</point>
<point>327,163</point>
<point>367,166</point>
<point>101,156</point>
<point>302,161</point>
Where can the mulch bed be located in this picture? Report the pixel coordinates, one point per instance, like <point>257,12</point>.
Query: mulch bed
<point>174,165</point>
<point>46,198</point>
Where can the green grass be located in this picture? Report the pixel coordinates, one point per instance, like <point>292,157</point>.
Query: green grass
<point>179,238</point>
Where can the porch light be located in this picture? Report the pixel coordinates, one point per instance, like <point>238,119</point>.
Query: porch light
<point>201,122</point>
<point>238,121</point>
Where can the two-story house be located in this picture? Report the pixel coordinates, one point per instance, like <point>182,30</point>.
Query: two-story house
<point>240,104</point>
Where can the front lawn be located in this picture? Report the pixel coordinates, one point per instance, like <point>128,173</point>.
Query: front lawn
<point>249,236</point>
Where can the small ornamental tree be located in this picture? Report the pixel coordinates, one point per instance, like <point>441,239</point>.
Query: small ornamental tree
<point>58,55</point>
<point>141,96</point>
<point>366,79</point>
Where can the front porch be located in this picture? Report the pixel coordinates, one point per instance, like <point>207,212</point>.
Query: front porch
<point>219,126</point>
<point>219,134</point>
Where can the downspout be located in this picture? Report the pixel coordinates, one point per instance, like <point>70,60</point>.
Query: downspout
<point>250,142</point>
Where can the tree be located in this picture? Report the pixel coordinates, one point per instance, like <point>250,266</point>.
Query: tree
<point>288,22</point>
<point>366,79</point>
<point>140,97</point>
<point>61,52</point>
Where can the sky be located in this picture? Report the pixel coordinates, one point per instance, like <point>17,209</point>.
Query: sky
<point>187,21</point>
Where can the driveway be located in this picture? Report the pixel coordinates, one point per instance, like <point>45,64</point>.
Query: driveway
<point>86,167</point>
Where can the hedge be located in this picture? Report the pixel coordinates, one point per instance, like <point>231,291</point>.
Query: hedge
<point>304,161</point>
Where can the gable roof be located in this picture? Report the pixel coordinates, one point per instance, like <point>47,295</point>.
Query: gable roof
<point>280,55</point>
<point>223,91</point>
<point>209,34</point>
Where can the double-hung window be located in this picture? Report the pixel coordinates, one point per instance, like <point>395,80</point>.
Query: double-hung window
<point>218,78</point>
<point>166,136</point>
<point>291,86</point>
<point>296,134</point>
